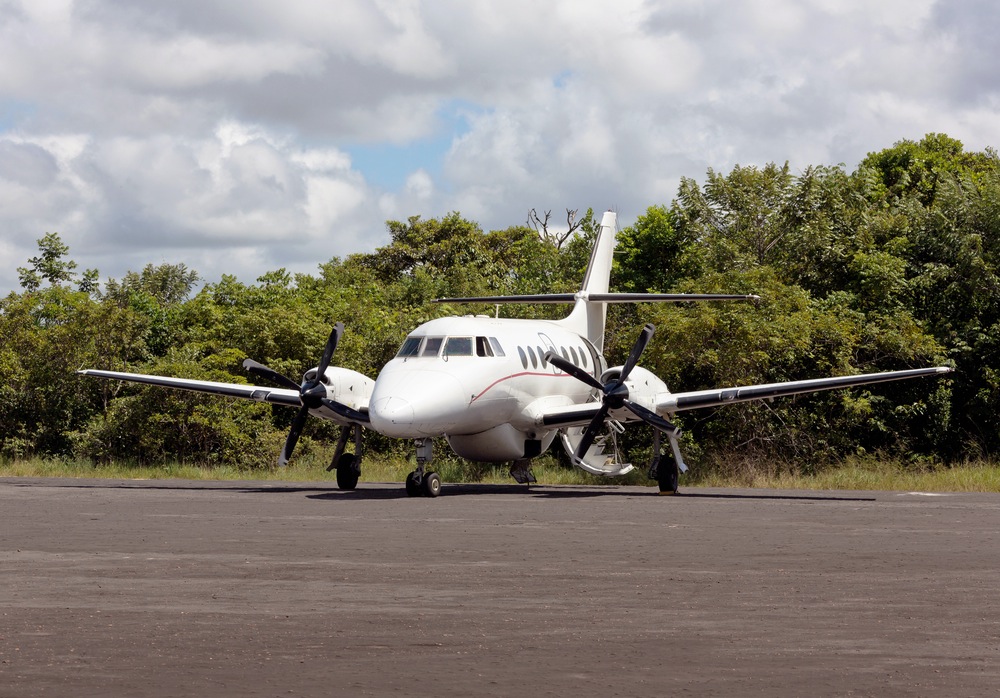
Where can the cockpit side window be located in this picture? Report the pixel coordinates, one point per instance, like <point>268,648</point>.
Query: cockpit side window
<point>458,346</point>
<point>432,346</point>
<point>483,347</point>
<point>411,347</point>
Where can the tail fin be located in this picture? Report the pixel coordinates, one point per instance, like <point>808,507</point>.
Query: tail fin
<point>590,309</point>
<point>589,316</point>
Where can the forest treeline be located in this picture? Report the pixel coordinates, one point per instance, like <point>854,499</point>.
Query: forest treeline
<point>891,266</point>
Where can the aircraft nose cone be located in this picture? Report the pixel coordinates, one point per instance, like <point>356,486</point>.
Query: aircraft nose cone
<point>394,411</point>
<point>414,403</point>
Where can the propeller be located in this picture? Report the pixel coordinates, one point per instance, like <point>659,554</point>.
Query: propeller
<point>312,392</point>
<point>615,394</point>
<point>270,374</point>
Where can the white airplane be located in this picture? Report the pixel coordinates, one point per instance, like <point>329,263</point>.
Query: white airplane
<point>502,390</point>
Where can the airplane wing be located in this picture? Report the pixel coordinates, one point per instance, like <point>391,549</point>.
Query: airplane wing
<point>677,402</point>
<point>569,415</point>
<point>580,415</point>
<point>276,396</point>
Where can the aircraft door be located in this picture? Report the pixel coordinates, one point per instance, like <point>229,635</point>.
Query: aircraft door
<point>548,345</point>
<point>600,364</point>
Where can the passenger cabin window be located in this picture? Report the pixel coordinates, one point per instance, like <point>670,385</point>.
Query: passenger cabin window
<point>432,346</point>
<point>531,354</point>
<point>411,347</point>
<point>524,357</point>
<point>458,346</point>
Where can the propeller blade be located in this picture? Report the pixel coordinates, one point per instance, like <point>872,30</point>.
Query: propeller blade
<point>293,435</point>
<point>573,370</point>
<point>345,411</point>
<point>653,419</point>
<point>263,371</point>
<point>637,349</point>
<point>331,346</point>
<point>591,433</point>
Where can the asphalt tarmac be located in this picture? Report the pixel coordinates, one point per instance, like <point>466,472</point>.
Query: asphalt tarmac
<point>177,588</point>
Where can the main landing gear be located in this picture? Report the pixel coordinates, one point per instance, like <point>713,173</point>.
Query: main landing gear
<point>347,465</point>
<point>666,474</point>
<point>521,472</point>
<point>421,481</point>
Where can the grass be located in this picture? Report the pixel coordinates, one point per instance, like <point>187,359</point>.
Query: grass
<point>855,474</point>
<point>966,477</point>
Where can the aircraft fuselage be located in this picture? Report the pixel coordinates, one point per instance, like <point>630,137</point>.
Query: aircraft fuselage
<point>462,376</point>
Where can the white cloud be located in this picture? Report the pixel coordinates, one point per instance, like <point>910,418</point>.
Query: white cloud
<point>186,131</point>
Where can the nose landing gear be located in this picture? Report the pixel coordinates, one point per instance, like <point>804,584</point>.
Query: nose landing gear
<point>420,481</point>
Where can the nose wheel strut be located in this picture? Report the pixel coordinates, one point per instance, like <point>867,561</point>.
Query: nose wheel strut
<point>421,481</point>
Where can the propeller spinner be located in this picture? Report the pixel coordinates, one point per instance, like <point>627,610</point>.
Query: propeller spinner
<point>615,394</point>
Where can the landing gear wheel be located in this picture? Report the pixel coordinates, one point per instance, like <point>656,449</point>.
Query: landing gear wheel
<point>666,477</point>
<point>413,485</point>
<point>347,474</point>
<point>431,484</point>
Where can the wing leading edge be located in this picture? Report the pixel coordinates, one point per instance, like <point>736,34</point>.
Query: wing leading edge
<point>276,396</point>
<point>678,402</point>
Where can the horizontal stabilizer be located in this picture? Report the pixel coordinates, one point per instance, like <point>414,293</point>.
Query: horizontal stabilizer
<point>603,298</point>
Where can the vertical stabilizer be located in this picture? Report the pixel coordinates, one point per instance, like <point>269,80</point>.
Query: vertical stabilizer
<point>588,317</point>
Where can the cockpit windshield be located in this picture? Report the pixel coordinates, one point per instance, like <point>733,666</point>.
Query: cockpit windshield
<point>458,346</point>
<point>411,347</point>
<point>432,347</point>
<point>453,346</point>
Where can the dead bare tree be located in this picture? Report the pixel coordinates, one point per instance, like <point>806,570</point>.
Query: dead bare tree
<point>541,226</point>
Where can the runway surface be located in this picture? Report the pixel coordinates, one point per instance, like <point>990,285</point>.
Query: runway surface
<point>176,588</point>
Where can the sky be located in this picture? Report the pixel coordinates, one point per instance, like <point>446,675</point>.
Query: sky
<point>239,137</point>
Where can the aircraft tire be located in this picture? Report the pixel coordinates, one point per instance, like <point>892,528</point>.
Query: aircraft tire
<point>347,474</point>
<point>667,477</point>
<point>431,484</point>
<point>412,486</point>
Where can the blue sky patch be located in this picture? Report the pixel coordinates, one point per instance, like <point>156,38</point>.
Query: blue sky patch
<point>387,165</point>
<point>13,113</point>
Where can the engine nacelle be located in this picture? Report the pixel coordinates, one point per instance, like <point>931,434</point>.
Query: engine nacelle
<point>346,386</point>
<point>644,387</point>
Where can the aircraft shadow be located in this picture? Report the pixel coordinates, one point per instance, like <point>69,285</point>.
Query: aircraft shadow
<point>573,492</point>
<point>390,491</point>
<point>793,497</point>
<point>184,485</point>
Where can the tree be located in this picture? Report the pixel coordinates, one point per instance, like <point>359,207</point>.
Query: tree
<point>168,283</point>
<point>48,266</point>
<point>739,218</point>
<point>540,224</point>
<point>653,255</point>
